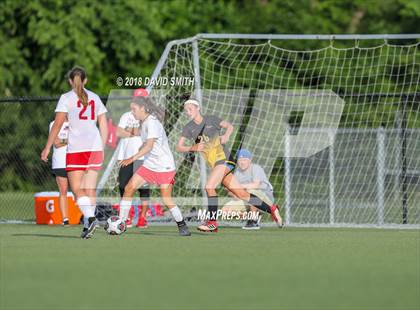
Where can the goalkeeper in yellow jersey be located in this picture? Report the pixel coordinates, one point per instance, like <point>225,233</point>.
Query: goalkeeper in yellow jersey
<point>205,132</point>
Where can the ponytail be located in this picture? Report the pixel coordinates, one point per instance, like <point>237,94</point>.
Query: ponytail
<point>78,75</point>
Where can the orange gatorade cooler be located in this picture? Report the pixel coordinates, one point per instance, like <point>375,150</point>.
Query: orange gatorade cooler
<point>47,209</point>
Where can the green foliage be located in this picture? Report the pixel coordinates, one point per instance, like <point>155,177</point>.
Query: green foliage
<point>23,130</point>
<point>41,40</point>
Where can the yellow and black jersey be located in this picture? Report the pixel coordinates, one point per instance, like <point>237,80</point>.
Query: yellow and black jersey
<point>208,132</point>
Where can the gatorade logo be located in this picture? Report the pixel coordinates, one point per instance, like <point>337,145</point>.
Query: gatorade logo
<point>49,206</point>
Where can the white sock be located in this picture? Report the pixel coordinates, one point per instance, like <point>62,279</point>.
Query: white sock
<point>85,205</point>
<point>125,206</point>
<point>85,222</point>
<point>176,213</point>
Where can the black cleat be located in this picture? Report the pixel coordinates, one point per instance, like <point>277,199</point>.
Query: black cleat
<point>251,225</point>
<point>183,230</point>
<point>88,232</point>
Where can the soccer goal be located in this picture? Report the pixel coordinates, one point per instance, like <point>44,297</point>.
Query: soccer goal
<point>333,120</point>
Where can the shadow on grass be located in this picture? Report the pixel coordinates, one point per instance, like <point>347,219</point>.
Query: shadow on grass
<point>44,235</point>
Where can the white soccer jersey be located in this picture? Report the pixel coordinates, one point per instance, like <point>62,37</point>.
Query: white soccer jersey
<point>129,146</point>
<point>160,158</point>
<point>59,154</point>
<point>84,135</point>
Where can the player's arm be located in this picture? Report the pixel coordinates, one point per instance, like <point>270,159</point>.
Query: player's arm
<point>145,148</point>
<point>229,129</point>
<point>123,133</point>
<point>135,131</point>
<point>60,118</point>
<point>125,127</point>
<point>253,185</point>
<point>182,148</point>
<point>259,177</point>
<point>60,142</point>
<point>103,127</point>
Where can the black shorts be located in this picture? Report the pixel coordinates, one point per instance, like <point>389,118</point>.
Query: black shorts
<point>125,174</point>
<point>60,172</point>
<point>228,163</point>
<point>231,165</point>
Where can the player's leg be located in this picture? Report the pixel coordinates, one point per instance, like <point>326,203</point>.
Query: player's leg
<point>135,182</point>
<point>166,194</point>
<point>124,175</point>
<point>253,217</point>
<point>76,183</point>
<point>89,185</point>
<point>213,181</point>
<point>63,184</point>
<point>235,205</point>
<point>254,221</point>
<point>144,193</point>
<point>75,180</point>
<point>268,199</point>
<point>83,201</point>
<point>245,210</point>
<point>236,188</point>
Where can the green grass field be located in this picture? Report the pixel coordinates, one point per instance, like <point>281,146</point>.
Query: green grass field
<point>44,267</point>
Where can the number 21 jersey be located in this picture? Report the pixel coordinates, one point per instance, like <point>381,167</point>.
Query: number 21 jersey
<point>84,135</point>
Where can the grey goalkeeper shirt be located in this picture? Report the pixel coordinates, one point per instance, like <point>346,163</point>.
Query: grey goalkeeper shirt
<point>252,174</point>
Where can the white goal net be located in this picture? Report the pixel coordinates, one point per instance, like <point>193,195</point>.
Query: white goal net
<point>335,125</point>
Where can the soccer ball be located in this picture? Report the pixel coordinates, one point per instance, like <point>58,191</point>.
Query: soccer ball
<point>115,226</point>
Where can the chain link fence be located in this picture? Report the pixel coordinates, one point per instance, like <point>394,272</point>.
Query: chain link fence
<point>24,126</point>
<point>360,182</point>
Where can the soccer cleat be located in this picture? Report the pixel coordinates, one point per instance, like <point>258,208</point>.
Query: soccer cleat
<point>66,222</point>
<point>251,225</point>
<point>142,222</point>
<point>183,230</point>
<point>129,223</point>
<point>209,226</point>
<point>84,233</point>
<point>275,216</point>
<point>88,232</point>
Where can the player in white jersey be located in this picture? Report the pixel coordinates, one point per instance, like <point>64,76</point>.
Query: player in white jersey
<point>130,143</point>
<point>84,158</point>
<point>58,168</point>
<point>159,165</point>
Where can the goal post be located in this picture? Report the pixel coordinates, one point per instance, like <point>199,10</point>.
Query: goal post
<point>336,126</point>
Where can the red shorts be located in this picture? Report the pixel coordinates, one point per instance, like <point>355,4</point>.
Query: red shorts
<point>84,160</point>
<point>157,178</point>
